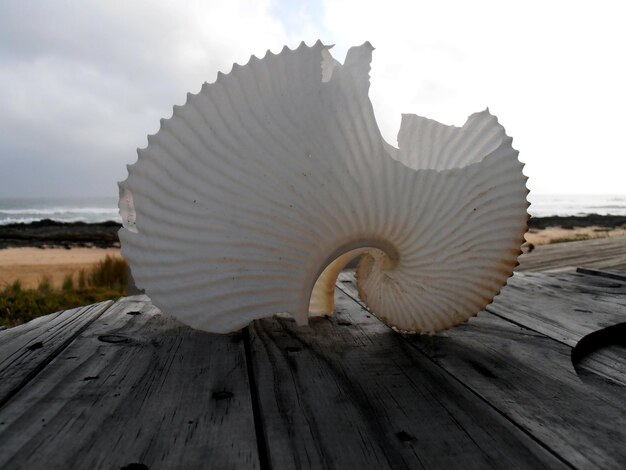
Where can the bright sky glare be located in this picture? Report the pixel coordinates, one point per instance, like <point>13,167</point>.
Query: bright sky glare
<point>83,83</point>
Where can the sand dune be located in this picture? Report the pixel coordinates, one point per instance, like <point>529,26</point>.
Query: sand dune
<point>31,265</point>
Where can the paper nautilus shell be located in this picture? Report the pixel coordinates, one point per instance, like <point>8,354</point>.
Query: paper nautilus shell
<point>251,198</point>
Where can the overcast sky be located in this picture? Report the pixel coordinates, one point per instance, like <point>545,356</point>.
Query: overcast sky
<point>82,82</point>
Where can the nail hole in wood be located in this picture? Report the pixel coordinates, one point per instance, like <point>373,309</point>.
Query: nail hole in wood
<point>37,345</point>
<point>134,466</point>
<point>405,436</point>
<point>482,370</point>
<point>222,395</point>
<point>113,339</point>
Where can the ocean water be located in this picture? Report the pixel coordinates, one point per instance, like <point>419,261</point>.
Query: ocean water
<point>543,205</point>
<point>59,209</point>
<point>104,209</point>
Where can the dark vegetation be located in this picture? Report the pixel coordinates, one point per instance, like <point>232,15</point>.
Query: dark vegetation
<point>570,222</point>
<point>579,237</point>
<point>106,280</point>
<point>48,233</point>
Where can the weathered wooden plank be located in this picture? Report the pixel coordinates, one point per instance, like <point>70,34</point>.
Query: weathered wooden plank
<point>619,274</point>
<point>565,306</point>
<point>26,349</point>
<point>137,387</point>
<point>604,253</point>
<point>608,363</point>
<point>348,392</point>
<point>603,353</point>
<point>530,379</point>
<point>621,270</point>
<point>346,282</point>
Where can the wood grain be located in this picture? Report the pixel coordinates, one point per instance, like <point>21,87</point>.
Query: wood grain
<point>530,379</point>
<point>565,307</point>
<point>117,384</point>
<point>603,253</point>
<point>26,349</point>
<point>348,392</point>
<point>135,387</point>
<point>619,274</point>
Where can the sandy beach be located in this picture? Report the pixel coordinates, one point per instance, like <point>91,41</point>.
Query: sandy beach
<point>30,252</point>
<point>31,265</point>
<point>554,234</point>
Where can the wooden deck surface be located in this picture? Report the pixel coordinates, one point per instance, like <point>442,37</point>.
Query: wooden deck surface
<point>121,385</point>
<point>608,254</point>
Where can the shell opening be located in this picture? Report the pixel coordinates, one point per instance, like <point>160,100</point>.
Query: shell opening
<point>322,294</point>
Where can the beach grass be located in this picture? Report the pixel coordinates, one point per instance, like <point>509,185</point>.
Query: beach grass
<point>106,280</point>
<point>578,237</point>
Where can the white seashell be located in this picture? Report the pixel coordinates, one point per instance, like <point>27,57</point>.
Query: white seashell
<point>263,179</point>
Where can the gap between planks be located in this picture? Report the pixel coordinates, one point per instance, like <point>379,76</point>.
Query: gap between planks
<point>29,355</point>
<point>589,400</point>
<point>135,386</point>
<point>348,391</point>
<point>259,422</point>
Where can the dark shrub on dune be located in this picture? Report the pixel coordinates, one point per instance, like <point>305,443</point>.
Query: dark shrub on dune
<point>106,280</point>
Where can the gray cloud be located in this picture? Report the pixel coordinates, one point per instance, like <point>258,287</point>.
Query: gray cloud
<point>83,83</point>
